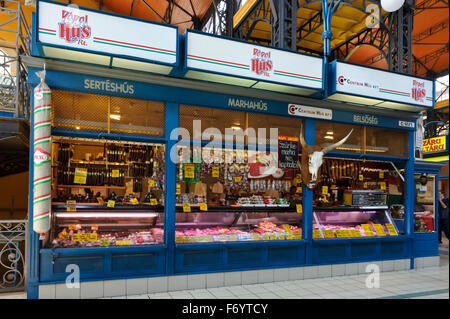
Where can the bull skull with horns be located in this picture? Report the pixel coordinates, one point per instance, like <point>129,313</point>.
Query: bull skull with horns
<point>312,157</point>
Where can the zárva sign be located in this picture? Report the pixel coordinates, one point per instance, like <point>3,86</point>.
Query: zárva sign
<point>434,145</point>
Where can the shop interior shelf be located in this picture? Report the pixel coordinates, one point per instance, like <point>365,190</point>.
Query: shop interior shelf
<point>95,207</point>
<point>228,209</point>
<point>347,208</point>
<point>94,187</point>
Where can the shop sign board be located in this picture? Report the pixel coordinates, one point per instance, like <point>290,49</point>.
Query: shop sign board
<point>434,144</point>
<point>382,85</point>
<point>309,111</point>
<point>244,59</point>
<point>287,152</point>
<point>91,31</point>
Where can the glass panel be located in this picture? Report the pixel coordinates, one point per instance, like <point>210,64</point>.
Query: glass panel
<point>424,208</point>
<point>387,142</point>
<point>328,133</point>
<point>210,117</point>
<point>342,224</point>
<point>136,117</point>
<point>115,193</point>
<point>79,111</point>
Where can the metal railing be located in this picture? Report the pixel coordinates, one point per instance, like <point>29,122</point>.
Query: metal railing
<point>14,90</point>
<point>13,257</point>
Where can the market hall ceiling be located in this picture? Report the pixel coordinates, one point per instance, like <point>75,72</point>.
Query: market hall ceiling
<point>430,34</point>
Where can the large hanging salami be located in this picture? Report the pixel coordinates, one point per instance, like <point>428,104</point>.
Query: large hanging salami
<point>42,157</point>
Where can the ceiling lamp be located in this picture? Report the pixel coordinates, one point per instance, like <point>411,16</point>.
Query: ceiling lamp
<point>392,5</point>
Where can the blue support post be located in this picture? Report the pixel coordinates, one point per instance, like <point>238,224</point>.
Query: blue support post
<point>33,237</point>
<point>310,130</point>
<point>171,123</point>
<point>410,196</point>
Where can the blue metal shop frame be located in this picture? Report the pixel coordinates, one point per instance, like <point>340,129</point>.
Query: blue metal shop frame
<point>47,266</point>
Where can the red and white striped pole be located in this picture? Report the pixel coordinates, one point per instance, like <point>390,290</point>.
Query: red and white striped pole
<point>42,157</point>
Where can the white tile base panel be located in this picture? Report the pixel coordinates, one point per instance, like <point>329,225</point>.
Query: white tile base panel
<point>128,287</point>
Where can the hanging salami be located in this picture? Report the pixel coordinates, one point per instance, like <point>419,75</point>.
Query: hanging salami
<point>42,157</point>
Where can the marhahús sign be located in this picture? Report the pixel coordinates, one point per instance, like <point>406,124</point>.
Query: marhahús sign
<point>75,28</point>
<point>382,85</point>
<point>434,145</point>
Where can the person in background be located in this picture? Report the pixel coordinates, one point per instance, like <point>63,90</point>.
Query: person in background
<point>443,216</point>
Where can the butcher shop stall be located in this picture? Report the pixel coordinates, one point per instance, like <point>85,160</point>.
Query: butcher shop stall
<point>193,160</point>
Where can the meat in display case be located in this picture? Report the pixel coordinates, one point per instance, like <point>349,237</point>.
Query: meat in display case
<point>97,226</point>
<point>347,223</point>
<point>230,224</point>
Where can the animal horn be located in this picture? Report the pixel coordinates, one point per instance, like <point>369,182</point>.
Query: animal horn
<point>337,144</point>
<point>303,142</point>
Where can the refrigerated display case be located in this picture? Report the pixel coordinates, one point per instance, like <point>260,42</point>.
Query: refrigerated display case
<point>97,226</point>
<point>350,223</point>
<point>106,193</point>
<point>231,224</point>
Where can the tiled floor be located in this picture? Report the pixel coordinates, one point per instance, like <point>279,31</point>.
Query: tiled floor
<point>426,283</point>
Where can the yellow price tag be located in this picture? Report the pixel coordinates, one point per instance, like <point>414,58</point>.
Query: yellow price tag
<point>179,239</point>
<point>92,236</point>
<point>153,201</point>
<point>391,229</point>
<point>151,183</point>
<point>355,233</point>
<point>299,189</point>
<point>80,176</point>
<point>71,205</point>
<point>255,236</point>
<point>76,237</point>
<point>123,242</point>
<point>203,207</point>
<point>186,207</point>
<point>361,177</point>
<point>189,170</point>
<point>72,227</point>
<point>299,208</point>
<point>325,190</point>
<point>379,230</point>
<point>215,172</point>
<point>178,190</point>
<point>222,238</point>
<point>328,233</point>
<point>297,234</point>
<point>237,179</point>
<point>134,201</point>
<point>383,185</point>
<point>367,230</point>
<point>63,235</point>
<point>104,242</point>
<point>340,233</point>
<point>111,203</point>
<point>365,185</point>
<point>316,234</point>
<point>115,173</point>
<point>281,236</point>
<point>289,237</point>
<point>287,228</point>
<point>273,236</point>
<point>381,174</point>
<point>232,237</point>
<point>265,236</point>
<point>100,201</point>
<point>208,238</point>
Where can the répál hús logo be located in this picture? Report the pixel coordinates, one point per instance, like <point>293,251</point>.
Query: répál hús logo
<point>74,28</point>
<point>418,92</point>
<point>261,62</point>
